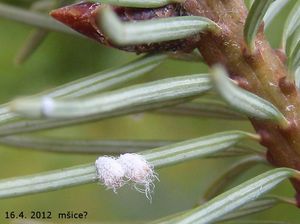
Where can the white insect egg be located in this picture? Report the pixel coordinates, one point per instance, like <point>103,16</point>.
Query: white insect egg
<point>139,171</point>
<point>47,105</point>
<point>110,172</point>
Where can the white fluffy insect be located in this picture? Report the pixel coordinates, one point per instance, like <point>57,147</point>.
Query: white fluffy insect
<point>139,171</point>
<point>110,172</point>
<point>128,168</point>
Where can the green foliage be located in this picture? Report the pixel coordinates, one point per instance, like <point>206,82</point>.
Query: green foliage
<point>257,12</point>
<point>110,94</point>
<point>152,31</point>
<point>230,200</point>
<point>244,101</point>
<point>138,4</point>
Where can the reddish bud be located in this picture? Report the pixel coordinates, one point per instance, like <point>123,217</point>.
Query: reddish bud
<point>82,18</point>
<point>287,86</point>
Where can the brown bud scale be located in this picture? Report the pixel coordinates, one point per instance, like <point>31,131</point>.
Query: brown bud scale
<point>82,17</point>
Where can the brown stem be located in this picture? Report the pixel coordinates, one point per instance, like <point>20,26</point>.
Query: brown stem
<point>262,72</point>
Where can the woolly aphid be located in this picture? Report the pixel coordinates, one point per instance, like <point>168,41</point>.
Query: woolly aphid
<point>128,168</point>
<point>139,172</point>
<point>110,172</point>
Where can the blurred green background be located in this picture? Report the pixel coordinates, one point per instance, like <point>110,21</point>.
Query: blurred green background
<point>62,58</point>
